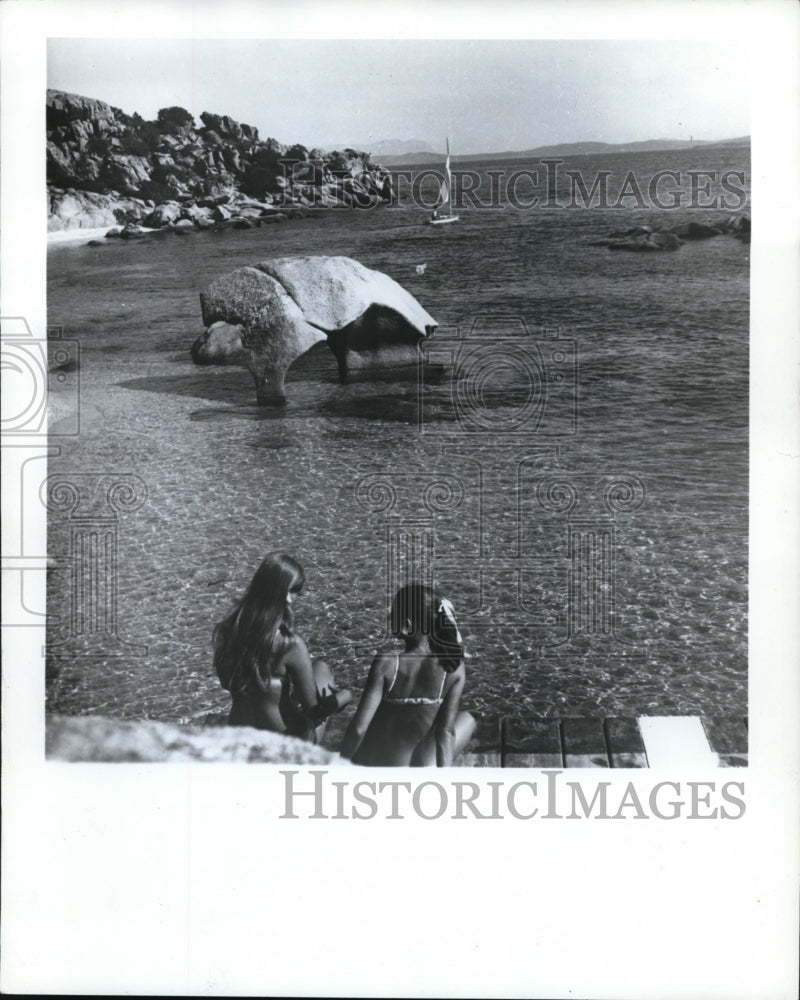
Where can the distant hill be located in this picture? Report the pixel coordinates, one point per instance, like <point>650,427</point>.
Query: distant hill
<point>567,149</point>
<point>396,147</point>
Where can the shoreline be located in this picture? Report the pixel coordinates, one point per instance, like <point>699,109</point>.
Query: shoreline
<point>61,236</point>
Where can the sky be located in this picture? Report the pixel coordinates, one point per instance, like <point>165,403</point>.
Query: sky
<point>485,95</point>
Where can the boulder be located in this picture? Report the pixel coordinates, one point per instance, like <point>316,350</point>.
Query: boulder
<point>286,305</point>
<point>220,344</point>
<point>163,215</point>
<point>697,231</point>
<point>624,234</point>
<point>648,243</point>
<point>126,173</point>
<point>95,738</point>
<point>87,210</point>
<point>198,213</point>
<point>739,227</point>
<point>63,108</point>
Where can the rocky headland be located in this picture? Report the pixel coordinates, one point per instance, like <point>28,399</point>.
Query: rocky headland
<point>109,168</point>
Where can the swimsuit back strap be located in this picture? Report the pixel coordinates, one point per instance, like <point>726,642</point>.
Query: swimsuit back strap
<point>396,668</point>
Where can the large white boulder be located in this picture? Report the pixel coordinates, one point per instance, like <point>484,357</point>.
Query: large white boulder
<point>286,305</point>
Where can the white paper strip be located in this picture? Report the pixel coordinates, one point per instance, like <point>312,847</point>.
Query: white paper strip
<point>675,740</point>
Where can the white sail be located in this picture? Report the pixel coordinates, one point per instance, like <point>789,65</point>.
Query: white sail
<point>445,187</point>
<point>449,183</point>
<point>446,183</point>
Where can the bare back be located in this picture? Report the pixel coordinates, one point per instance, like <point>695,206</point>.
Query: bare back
<point>296,684</point>
<point>413,693</point>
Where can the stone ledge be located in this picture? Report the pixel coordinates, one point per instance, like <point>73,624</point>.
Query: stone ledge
<point>98,739</point>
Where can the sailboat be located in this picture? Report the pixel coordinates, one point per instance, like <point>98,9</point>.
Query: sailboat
<point>445,200</point>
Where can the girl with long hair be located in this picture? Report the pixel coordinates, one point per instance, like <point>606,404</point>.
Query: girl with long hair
<point>408,713</point>
<point>265,664</point>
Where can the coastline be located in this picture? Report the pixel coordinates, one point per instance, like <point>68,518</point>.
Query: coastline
<point>62,236</point>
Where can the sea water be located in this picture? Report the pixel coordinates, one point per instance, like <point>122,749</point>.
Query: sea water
<point>571,468</point>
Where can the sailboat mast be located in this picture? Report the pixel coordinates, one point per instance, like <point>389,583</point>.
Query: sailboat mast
<point>449,179</point>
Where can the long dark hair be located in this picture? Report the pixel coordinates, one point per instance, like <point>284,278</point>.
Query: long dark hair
<point>260,627</point>
<point>427,612</point>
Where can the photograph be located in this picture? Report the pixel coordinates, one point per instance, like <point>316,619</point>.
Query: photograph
<point>394,399</point>
<point>301,374</point>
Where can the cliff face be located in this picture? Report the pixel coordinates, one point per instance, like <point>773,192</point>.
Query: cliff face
<point>105,164</point>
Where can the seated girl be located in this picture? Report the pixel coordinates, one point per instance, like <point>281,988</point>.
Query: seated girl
<point>408,713</point>
<point>265,665</point>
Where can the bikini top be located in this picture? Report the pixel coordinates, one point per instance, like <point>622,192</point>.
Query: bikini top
<point>412,701</point>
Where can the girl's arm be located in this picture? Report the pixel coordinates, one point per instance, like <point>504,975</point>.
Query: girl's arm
<point>445,725</point>
<point>301,674</point>
<point>368,706</point>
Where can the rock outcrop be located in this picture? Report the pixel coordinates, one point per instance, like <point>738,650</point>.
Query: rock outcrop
<point>105,166</point>
<point>644,239</point>
<point>99,739</point>
<point>286,305</point>
<point>646,243</point>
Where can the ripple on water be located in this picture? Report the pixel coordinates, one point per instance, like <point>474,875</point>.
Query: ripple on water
<point>228,480</point>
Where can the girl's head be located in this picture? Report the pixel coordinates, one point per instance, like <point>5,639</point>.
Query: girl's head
<point>418,610</point>
<point>260,627</point>
<point>276,581</point>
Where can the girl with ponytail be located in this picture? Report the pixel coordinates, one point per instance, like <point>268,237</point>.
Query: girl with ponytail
<point>408,713</point>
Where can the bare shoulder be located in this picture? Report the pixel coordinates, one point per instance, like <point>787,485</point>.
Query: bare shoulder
<point>299,646</point>
<point>384,661</point>
<point>296,654</point>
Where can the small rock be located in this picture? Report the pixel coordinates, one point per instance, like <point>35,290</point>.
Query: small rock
<point>132,232</point>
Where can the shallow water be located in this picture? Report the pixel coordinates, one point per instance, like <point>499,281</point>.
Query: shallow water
<point>576,596</point>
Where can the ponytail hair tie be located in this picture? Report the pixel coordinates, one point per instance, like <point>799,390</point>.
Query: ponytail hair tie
<point>447,609</point>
